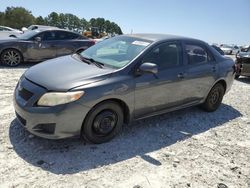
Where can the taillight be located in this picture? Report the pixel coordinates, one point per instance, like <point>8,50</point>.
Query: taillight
<point>92,42</point>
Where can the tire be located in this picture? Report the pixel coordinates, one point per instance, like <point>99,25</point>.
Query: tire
<point>11,58</point>
<point>214,98</point>
<point>103,123</point>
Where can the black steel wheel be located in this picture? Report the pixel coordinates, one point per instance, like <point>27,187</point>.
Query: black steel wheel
<point>11,57</point>
<point>103,122</point>
<point>214,98</point>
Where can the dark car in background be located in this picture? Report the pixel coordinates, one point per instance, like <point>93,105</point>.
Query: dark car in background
<point>118,80</point>
<point>39,45</point>
<point>243,63</point>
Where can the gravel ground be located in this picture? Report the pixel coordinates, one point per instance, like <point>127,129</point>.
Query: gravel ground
<point>187,148</point>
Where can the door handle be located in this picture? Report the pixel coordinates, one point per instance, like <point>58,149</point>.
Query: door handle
<point>214,69</point>
<point>181,75</point>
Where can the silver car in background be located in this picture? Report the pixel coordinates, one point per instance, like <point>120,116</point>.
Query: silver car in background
<point>229,50</point>
<point>8,31</point>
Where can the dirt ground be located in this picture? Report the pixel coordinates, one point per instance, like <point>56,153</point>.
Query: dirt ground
<point>187,148</point>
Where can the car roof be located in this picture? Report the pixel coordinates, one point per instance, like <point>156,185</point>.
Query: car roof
<point>160,37</point>
<point>43,26</point>
<point>54,29</point>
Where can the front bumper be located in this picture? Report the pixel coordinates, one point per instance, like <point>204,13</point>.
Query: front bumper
<point>240,66</point>
<point>56,122</point>
<point>228,52</point>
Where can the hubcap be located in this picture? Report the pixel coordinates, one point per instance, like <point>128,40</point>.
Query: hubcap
<point>105,122</point>
<point>215,95</point>
<point>11,58</point>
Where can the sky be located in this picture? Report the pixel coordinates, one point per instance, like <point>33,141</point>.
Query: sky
<point>214,21</point>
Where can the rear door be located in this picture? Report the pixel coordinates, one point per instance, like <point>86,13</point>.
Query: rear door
<point>201,71</point>
<point>66,42</point>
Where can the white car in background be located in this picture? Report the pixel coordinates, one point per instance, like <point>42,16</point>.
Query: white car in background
<point>8,31</point>
<point>229,50</point>
<point>33,27</point>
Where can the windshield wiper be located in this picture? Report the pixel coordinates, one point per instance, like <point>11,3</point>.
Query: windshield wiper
<point>97,63</point>
<point>91,60</point>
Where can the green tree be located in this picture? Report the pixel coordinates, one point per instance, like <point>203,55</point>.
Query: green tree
<point>40,21</point>
<point>18,17</point>
<point>62,21</point>
<point>84,24</point>
<point>53,19</point>
<point>1,18</point>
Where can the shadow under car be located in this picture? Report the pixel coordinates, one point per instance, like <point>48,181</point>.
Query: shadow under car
<point>70,156</point>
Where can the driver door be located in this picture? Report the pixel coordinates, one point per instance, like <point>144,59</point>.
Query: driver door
<point>164,90</point>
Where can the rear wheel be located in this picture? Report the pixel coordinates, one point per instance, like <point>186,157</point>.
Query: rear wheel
<point>214,98</point>
<point>103,123</point>
<point>11,57</point>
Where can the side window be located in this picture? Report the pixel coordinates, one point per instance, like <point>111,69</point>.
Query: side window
<point>48,35</point>
<point>197,54</point>
<point>61,35</point>
<point>72,36</point>
<point>165,55</point>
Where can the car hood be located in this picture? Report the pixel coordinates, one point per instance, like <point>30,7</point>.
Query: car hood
<point>65,73</point>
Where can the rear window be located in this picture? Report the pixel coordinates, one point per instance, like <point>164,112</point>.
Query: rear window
<point>63,35</point>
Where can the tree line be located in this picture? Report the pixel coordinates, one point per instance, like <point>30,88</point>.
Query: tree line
<point>18,17</point>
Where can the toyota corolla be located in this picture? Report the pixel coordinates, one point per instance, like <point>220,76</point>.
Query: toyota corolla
<point>125,78</point>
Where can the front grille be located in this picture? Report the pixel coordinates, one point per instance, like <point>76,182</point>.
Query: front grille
<point>23,121</point>
<point>25,94</point>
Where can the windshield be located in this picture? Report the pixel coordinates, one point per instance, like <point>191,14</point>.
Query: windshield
<point>29,34</point>
<point>117,51</point>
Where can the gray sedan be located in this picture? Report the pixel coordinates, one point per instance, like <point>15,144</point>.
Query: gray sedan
<point>39,45</point>
<point>119,80</point>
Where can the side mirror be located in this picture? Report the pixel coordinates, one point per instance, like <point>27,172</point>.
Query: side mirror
<point>24,29</point>
<point>38,39</point>
<point>148,68</point>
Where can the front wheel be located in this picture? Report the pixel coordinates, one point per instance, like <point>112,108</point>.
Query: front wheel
<point>11,57</point>
<point>103,123</point>
<point>214,98</point>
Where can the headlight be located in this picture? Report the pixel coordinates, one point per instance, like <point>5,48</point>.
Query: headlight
<point>238,55</point>
<point>56,98</point>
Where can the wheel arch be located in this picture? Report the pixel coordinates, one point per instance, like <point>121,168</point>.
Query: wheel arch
<point>222,82</point>
<point>121,103</point>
